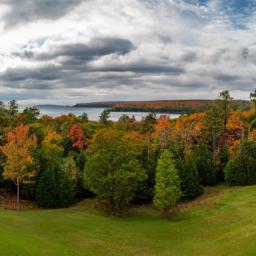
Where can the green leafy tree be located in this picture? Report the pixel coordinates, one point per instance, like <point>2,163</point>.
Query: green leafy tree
<point>253,99</point>
<point>212,130</point>
<point>104,116</point>
<point>84,117</point>
<point>71,171</point>
<point>149,122</point>
<point>113,171</point>
<point>225,106</point>
<point>28,115</point>
<point>167,187</point>
<point>13,108</point>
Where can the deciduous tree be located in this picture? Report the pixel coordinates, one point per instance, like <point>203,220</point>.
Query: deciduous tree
<point>113,170</point>
<point>76,136</point>
<point>19,158</point>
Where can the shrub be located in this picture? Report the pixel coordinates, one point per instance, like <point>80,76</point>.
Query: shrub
<point>230,172</point>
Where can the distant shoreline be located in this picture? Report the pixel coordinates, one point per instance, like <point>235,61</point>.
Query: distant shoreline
<point>156,106</point>
<point>157,111</point>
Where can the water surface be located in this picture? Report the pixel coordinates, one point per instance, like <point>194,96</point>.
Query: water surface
<point>93,113</point>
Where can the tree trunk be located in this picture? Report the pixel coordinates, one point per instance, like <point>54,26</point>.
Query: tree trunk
<point>214,146</point>
<point>18,195</point>
<point>148,145</point>
<point>225,128</point>
<point>242,136</point>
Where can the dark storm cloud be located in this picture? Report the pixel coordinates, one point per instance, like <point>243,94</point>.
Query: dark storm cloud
<point>227,77</point>
<point>42,73</point>
<point>80,53</point>
<point>141,67</point>
<point>23,11</point>
<point>189,56</point>
<point>53,73</point>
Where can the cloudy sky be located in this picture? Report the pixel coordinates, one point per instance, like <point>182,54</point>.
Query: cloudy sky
<point>70,51</point>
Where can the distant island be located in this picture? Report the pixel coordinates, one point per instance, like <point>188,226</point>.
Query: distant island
<point>161,106</point>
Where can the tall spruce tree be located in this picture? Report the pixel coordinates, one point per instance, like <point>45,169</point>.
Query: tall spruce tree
<point>190,182</point>
<point>167,187</point>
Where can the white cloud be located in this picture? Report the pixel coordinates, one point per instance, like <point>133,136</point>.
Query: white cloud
<point>210,52</point>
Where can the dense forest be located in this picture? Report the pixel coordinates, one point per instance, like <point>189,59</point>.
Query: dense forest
<point>163,106</point>
<point>57,162</point>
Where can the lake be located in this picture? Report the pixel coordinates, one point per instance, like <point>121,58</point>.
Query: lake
<point>93,113</point>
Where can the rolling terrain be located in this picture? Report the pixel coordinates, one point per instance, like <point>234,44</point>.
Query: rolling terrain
<point>221,222</point>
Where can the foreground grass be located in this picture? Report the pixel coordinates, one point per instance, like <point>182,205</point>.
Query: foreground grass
<point>222,222</point>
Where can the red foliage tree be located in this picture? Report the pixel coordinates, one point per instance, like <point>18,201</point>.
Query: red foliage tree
<point>76,136</point>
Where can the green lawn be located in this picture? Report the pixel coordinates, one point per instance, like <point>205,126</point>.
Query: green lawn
<point>222,222</point>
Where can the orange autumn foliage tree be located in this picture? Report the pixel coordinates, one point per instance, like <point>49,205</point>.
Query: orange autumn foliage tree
<point>235,130</point>
<point>19,159</point>
<point>187,131</point>
<point>163,131</point>
<point>76,136</point>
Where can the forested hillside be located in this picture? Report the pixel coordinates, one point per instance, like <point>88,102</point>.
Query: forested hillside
<point>164,106</point>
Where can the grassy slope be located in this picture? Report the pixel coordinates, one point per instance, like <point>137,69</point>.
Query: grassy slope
<point>222,223</point>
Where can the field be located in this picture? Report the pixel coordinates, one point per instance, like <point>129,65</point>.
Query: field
<point>222,222</point>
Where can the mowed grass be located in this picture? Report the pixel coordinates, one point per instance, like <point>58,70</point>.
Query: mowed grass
<point>222,222</point>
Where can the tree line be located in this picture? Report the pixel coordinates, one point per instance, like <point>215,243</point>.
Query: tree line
<point>57,162</point>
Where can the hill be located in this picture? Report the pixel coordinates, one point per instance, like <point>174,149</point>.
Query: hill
<point>222,222</point>
<point>163,106</point>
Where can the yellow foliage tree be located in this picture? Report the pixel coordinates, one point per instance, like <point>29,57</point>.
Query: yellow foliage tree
<point>52,143</point>
<point>19,159</point>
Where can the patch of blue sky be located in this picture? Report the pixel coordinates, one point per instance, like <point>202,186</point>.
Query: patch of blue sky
<point>237,12</point>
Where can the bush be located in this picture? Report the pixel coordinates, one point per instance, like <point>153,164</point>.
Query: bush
<point>230,172</point>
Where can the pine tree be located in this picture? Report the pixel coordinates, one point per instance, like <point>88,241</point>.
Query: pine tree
<point>167,187</point>
<point>190,182</point>
<point>54,188</point>
<point>205,166</point>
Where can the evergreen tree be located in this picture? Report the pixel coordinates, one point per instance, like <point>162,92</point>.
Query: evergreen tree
<point>245,164</point>
<point>205,166</point>
<point>230,173</point>
<point>104,116</point>
<point>253,99</point>
<point>13,108</point>
<point>190,182</point>
<point>54,188</point>
<point>84,117</point>
<point>167,187</point>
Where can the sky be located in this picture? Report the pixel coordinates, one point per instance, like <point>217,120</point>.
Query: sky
<point>73,51</point>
